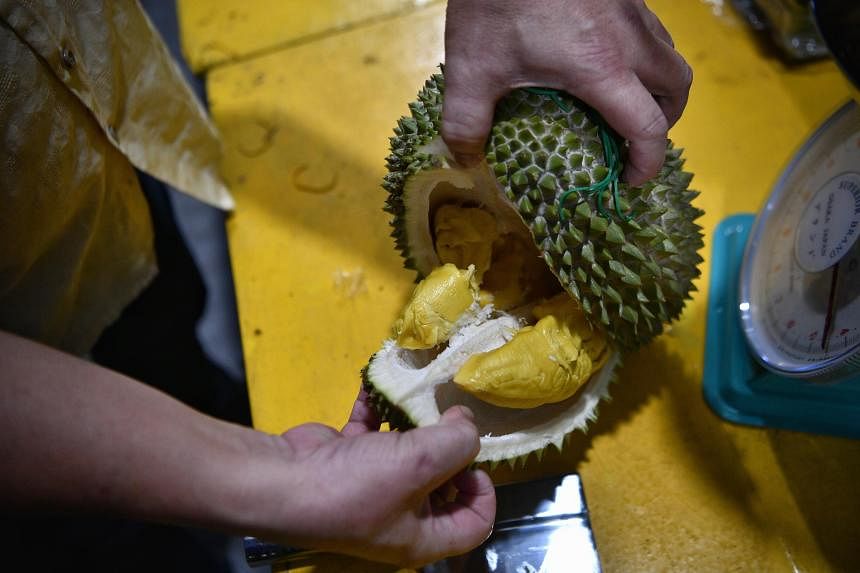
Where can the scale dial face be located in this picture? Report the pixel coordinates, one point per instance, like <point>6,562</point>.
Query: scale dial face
<point>800,279</point>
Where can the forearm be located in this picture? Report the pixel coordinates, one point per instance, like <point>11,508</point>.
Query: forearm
<point>76,436</point>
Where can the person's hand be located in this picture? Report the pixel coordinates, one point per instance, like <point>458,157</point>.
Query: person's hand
<point>615,55</point>
<point>402,498</point>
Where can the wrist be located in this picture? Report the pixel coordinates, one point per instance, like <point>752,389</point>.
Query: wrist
<point>253,489</point>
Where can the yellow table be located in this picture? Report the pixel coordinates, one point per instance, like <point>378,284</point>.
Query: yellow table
<point>306,94</point>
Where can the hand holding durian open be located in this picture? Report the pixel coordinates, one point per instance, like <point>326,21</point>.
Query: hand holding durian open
<point>614,54</point>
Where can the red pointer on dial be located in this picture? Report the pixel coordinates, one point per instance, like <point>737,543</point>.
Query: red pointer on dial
<point>831,307</point>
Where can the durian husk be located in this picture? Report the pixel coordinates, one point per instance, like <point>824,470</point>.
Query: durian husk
<point>632,275</point>
<point>630,263</point>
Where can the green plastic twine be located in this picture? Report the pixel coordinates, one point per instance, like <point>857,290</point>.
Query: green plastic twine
<point>611,156</point>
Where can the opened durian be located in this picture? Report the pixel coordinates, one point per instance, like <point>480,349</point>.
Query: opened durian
<point>538,269</point>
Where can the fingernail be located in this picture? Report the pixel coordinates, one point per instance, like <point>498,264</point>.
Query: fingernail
<point>463,411</point>
<point>467,159</point>
<point>467,413</point>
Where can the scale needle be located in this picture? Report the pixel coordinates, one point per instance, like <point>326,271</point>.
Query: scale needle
<point>831,307</point>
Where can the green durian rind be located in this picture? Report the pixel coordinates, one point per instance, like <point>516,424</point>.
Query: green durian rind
<point>630,276</point>
<point>407,158</point>
<point>388,413</point>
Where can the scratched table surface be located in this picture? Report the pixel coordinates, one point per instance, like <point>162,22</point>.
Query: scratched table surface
<point>305,95</point>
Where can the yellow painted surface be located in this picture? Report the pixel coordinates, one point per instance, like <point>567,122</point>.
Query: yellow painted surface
<point>671,487</point>
<point>229,30</point>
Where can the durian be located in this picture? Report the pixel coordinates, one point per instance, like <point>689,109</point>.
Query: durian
<point>565,272</point>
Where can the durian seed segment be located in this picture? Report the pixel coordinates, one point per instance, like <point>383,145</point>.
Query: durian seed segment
<point>464,236</point>
<point>507,266</point>
<point>541,364</point>
<point>437,303</point>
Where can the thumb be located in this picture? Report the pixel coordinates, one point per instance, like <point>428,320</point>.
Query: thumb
<point>467,115</point>
<point>437,453</point>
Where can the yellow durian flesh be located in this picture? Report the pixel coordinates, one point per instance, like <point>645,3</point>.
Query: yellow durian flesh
<point>544,363</point>
<point>436,305</point>
<point>465,236</point>
<point>569,311</point>
<point>502,283</point>
<point>507,267</point>
<point>541,364</point>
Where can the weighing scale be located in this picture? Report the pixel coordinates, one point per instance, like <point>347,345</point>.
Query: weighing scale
<point>783,334</point>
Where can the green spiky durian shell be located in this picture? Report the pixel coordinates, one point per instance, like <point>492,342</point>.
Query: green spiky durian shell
<point>630,276</point>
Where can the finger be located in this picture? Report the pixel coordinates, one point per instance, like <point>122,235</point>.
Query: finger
<point>433,454</point>
<point>363,417</point>
<point>309,437</point>
<point>464,523</point>
<point>631,110</point>
<point>467,112</point>
<point>653,23</point>
<point>666,75</point>
<point>672,107</point>
<point>474,490</point>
